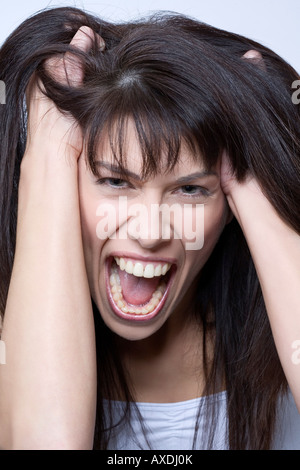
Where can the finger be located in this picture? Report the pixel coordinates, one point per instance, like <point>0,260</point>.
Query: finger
<point>70,69</point>
<point>84,39</point>
<point>227,173</point>
<point>255,57</point>
<point>226,167</point>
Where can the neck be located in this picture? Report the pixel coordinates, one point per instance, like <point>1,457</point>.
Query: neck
<point>166,367</point>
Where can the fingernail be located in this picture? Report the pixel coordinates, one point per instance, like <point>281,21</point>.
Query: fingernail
<point>101,43</point>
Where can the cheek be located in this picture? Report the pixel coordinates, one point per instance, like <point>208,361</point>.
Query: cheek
<point>204,224</point>
<point>87,204</point>
<point>213,222</point>
<point>100,220</point>
<point>92,245</point>
<point>88,214</point>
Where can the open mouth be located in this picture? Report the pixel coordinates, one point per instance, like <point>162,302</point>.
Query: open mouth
<point>137,289</point>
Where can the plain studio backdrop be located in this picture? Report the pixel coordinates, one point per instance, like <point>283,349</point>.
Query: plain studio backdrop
<point>274,23</point>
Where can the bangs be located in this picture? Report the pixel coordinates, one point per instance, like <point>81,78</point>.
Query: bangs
<point>160,131</point>
<point>170,98</point>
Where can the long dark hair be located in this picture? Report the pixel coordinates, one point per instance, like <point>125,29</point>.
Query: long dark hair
<point>179,80</point>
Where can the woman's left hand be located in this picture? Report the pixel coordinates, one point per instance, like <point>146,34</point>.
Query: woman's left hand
<point>275,250</point>
<point>247,191</point>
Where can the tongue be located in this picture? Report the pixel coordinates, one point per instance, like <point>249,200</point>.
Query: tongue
<point>137,290</point>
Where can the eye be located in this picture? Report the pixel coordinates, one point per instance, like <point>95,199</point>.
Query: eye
<point>114,183</point>
<point>194,190</point>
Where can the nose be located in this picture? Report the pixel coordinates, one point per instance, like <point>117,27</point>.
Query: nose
<point>150,223</point>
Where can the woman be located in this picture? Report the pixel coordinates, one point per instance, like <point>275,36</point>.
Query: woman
<point>115,139</point>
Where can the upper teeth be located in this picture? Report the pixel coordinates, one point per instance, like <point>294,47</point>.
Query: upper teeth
<point>139,269</point>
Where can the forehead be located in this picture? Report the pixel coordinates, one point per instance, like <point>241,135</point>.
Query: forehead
<point>125,152</point>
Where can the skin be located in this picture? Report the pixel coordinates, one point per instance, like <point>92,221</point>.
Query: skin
<point>37,405</point>
<point>275,249</point>
<point>164,188</point>
<point>172,331</point>
<point>49,403</point>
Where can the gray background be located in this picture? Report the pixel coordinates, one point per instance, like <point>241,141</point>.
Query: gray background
<point>274,23</point>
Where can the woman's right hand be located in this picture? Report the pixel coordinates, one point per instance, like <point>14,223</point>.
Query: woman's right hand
<point>51,134</point>
<point>48,385</point>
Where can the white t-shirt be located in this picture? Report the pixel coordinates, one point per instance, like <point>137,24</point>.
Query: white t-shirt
<point>171,426</point>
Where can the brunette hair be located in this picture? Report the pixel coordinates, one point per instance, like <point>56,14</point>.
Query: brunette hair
<point>180,81</point>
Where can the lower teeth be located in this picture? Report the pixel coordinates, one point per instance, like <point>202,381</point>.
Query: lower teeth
<point>117,295</point>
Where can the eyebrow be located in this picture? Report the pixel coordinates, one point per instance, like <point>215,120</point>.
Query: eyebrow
<point>196,175</point>
<point>118,170</point>
<point>182,180</point>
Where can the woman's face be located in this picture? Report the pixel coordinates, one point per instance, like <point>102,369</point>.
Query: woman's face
<point>146,240</point>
